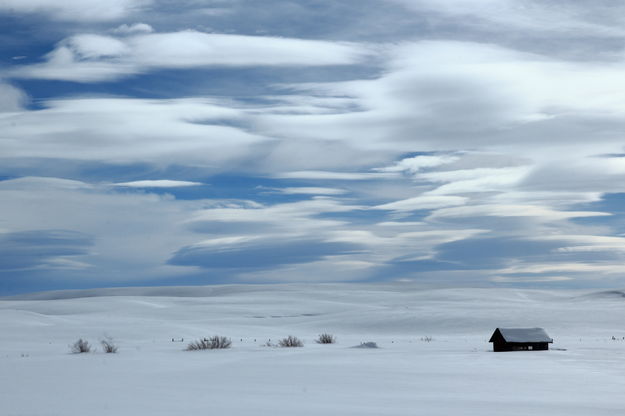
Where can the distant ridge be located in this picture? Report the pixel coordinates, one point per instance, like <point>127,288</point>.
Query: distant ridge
<point>186,291</point>
<point>606,294</point>
<point>165,291</point>
<point>233,289</point>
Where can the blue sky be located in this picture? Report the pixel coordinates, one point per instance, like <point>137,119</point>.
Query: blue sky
<point>447,143</point>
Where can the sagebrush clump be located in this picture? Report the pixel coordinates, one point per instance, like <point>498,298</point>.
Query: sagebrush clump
<point>290,341</point>
<point>80,346</point>
<point>326,339</point>
<point>369,344</point>
<point>108,346</point>
<point>213,343</point>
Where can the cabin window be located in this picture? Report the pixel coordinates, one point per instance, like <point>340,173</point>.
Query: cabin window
<point>529,347</point>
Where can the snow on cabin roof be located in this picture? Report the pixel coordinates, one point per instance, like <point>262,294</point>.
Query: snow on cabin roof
<point>523,335</point>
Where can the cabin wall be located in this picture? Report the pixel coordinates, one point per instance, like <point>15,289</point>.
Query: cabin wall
<point>499,346</point>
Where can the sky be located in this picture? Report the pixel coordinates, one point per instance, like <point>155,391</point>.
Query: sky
<point>449,143</point>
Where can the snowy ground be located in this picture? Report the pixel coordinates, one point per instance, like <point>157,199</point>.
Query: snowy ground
<point>454,374</point>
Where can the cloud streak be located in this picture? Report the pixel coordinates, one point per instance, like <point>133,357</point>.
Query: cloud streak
<point>37,249</point>
<point>93,57</point>
<point>470,142</point>
<point>76,10</point>
<point>116,129</point>
<point>258,253</point>
<point>159,183</point>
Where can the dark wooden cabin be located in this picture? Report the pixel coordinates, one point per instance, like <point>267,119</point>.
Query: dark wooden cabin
<point>520,339</point>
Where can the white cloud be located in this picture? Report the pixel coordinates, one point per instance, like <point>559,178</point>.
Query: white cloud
<point>252,225</point>
<point>552,198</point>
<point>134,233</point>
<point>62,263</point>
<point>11,98</point>
<point>475,180</point>
<point>587,243</point>
<point>423,203</point>
<point>89,58</point>
<point>303,219</point>
<point>225,241</point>
<point>575,267</point>
<point>501,210</point>
<point>414,237</point>
<point>499,132</point>
<point>308,190</point>
<point>90,46</point>
<point>77,10</point>
<point>116,129</point>
<point>506,127</point>
<point>35,183</point>
<point>132,29</point>
<point>530,279</point>
<point>412,107</point>
<point>450,96</point>
<point>191,48</point>
<point>529,15</point>
<point>160,183</point>
<point>62,65</point>
<point>326,175</point>
<point>82,58</point>
<point>292,217</point>
<point>399,223</point>
<point>415,164</point>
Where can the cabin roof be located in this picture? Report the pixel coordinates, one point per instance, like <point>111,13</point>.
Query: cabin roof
<point>522,335</point>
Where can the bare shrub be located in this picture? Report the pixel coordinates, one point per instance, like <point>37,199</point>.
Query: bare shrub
<point>200,344</point>
<point>108,346</point>
<point>218,342</point>
<point>213,343</point>
<point>290,341</point>
<point>326,339</point>
<point>80,346</point>
<point>367,345</point>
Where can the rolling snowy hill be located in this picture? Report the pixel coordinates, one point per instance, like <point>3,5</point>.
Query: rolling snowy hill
<point>454,373</point>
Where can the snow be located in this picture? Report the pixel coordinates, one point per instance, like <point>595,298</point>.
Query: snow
<point>433,357</point>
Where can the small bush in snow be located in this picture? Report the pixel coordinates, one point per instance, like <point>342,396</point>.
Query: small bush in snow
<point>201,344</point>
<point>367,345</point>
<point>108,346</point>
<point>290,341</point>
<point>326,339</point>
<point>80,346</point>
<point>213,343</point>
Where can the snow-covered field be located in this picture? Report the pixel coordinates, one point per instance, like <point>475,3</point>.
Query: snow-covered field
<point>454,374</point>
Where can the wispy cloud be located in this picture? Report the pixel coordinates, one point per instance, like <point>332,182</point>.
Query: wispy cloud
<point>327,175</point>
<point>259,253</point>
<point>158,183</point>
<point>415,164</point>
<point>307,190</point>
<point>91,57</point>
<point>132,29</point>
<point>76,10</point>
<point>502,210</point>
<point>426,202</point>
<point>528,15</point>
<point>117,129</point>
<point>36,249</point>
<point>11,98</point>
<point>468,142</point>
